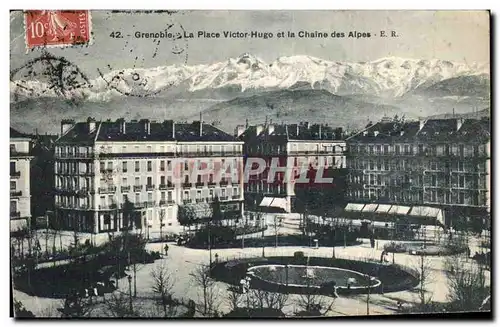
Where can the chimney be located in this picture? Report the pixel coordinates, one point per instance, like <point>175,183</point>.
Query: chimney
<point>270,129</point>
<point>460,121</point>
<point>258,129</point>
<point>91,124</point>
<point>147,125</point>
<point>121,121</point>
<point>375,133</point>
<point>239,130</point>
<point>422,122</point>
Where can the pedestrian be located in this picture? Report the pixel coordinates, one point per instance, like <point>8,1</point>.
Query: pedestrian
<point>166,249</point>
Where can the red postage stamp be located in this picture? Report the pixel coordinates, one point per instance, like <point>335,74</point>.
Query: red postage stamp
<point>57,27</point>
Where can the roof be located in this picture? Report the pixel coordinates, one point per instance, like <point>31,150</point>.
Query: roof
<point>137,131</point>
<point>16,134</point>
<point>286,132</point>
<point>431,130</point>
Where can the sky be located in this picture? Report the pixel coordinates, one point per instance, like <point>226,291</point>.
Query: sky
<point>448,35</point>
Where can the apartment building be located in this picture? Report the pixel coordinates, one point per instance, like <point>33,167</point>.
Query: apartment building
<point>442,163</point>
<point>105,169</point>
<point>20,196</point>
<point>317,148</point>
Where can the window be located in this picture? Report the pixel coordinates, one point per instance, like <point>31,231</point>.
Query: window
<point>433,195</point>
<point>124,181</point>
<point>169,196</point>
<point>433,180</point>
<point>371,149</point>
<point>137,198</point>
<point>198,194</point>
<point>461,198</point>
<point>211,192</point>
<point>137,166</point>
<point>137,181</point>
<point>420,149</point>
<point>397,149</point>
<point>12,185</point>
<point>162,165</point>
<point>12,148</point>
<point>162,180</point>
<point>150,181</point>
<point>235,191</point>
<point>150,166</point>
<point>110,165</point>
<point>460,165</point>
<point>150,197</point>
<point>12,167</point>
<point>101,166</point>
<point>162,196</point>
<point>433,165</point>
<point>13,206</point>
<point>223,192</point>
<point>386,148</point>
<point>407,149</point>
<point>461,181</point>
<point>186,165</point>
<point>124,149</point>
<point>186,195</point>
<point>169,165</point>
<point>124,166</point>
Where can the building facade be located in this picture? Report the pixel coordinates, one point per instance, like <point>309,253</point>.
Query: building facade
<point>315,148</point>
<point>20,196</point>
<point>106,169</point>
<point>437,162</point>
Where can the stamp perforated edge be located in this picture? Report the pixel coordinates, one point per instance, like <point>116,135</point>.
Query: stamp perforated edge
<point>62,45</point>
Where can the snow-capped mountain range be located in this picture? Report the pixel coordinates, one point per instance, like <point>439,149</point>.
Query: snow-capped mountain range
<point>386,77</point>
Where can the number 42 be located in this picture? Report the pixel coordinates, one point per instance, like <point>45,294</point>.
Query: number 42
<point>116,35</point>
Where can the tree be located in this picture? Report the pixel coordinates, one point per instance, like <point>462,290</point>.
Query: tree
<point>425,272</point>
<point>162,287</point>
<point>467,285</point>
<point>312,303</point>
<point>260,299</point>
<point>202,279</point>
<point>75,306</point>
<point>162,219</point>
<point>118,306</point>
<point>276,227</point>
<point>233,297</point>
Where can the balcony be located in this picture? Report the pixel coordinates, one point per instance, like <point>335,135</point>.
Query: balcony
<point>211,184</point>
<point>111,206</point>
<point>163,202</point>
<point>16,193</point>
<point>223,183</point>
<point>209,154</point>
<point>235,197</point>
<point>15,174</point>
<point>149,204</point>
<point>150,187</point>
<point>168,186</point>
<point>65,155</point>
<point>109,189</point>
<point>186,201</point>
<point>187,185</point>
<point>125,189</point>
<point>223,198</point>
<point>15,214</point>
<point>171,201</point>
<point>200,200</point>
<point>137,188</point>
<point>106,171</point>
<point>199,185</point>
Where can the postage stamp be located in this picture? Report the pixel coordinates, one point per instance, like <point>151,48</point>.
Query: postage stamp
<point>57,27</point>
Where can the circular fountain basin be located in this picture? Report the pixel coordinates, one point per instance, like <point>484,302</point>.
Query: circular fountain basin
<point>313,276</point>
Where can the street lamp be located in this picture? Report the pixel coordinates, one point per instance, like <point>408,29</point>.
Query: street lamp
<point>130,291</point>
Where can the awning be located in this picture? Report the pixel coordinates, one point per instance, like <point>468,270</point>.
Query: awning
<point>274,202</point>
<point>371,207</point>
<point>383,208</point>
<point>266,202</point>
<point>428,212</point>
<point>399,210</point>
<point>382,224</point>
<point>357,207</point>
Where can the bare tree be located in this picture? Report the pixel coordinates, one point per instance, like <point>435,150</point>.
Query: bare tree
<point>202,278</point>
<point>118,306</point>
<point>162,219</point>
<point>276,228</point>
<point>76,306</point>
<point>424,268</point>
<point>260,299</point>
<point>233,297</point>
<point>467,285</point>
<point>162,287</point>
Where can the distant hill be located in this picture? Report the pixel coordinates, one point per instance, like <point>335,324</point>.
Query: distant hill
<point>462,86</point>
<point>469,115</point>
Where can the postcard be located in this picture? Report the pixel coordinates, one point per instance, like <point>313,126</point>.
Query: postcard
<point>180,164</point>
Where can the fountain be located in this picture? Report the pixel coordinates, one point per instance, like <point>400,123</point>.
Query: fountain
<point>309,271</point>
